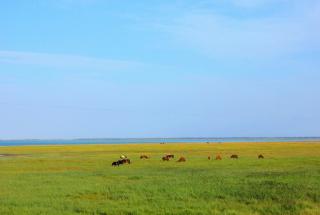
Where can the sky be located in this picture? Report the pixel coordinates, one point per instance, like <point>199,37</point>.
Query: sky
<point>159,68</point>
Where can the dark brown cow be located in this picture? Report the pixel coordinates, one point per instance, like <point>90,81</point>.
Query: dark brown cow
<point>260,156</point>
<point>209,157</point>
<point>120,162</point>
<point>170,156</point>
<point>218,157</point>
<point>144,157</point>
<point>127,160</point>
<point>165,158</point>
<point>182,159</point>
<point>123,161</point>
<point>234,156</point>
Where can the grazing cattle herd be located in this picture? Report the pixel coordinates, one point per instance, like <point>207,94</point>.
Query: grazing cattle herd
<point>125,160</point>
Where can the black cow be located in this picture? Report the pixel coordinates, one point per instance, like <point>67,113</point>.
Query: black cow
<point>116,163</point>
<point>120,162</point>
<point>234,156</point>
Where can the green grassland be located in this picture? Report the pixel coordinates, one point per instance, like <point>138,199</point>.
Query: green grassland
<point>80,179</point>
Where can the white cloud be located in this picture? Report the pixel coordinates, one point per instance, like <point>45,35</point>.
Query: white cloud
<point>254,3</point>
<point>65,61</point>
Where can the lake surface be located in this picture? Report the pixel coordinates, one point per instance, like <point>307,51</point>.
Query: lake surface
<point>153,140</point>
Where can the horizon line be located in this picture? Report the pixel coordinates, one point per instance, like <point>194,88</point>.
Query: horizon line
<point>119,138</point>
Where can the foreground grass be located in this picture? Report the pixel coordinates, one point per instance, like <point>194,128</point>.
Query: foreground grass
<point>80,180</point>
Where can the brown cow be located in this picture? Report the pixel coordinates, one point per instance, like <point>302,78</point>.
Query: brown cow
<point>260,156</point>
<point>218,157</point>
<point>123,161</point>
<point>209,157</point>
<point>182,159</point>
<point>234,156</point>
<point>170,156</point>
<point>165,158</point>
<point>144,157</point>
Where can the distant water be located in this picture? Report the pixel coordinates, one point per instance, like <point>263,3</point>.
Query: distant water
<point>153,140</point>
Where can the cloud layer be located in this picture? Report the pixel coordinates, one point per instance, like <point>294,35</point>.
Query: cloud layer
<point>270,36</point>
<point>65,61</point>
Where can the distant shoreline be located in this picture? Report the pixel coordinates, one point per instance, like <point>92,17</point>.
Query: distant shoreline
<point>126,141</point>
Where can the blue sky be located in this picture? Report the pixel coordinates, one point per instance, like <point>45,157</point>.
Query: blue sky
<point>169,68</point>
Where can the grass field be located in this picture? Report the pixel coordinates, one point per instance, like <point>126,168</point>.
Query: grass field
<point>80,179</point>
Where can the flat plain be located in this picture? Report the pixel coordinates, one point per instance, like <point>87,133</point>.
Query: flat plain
<point>79,179</point>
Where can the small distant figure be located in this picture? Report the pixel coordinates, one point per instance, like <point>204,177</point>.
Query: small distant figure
<point>123,156</point>
<point>116,163</point>
<point>127,160</point>
<point>170,156</point>
<point>234,156</point>
<point>218,157</point>
<point>144,157</point>
<point>260,156</point>
<point>120,162</point>
<point>165,158</point>
<point>209,157</point>
<point>162,143</point>
<point>182,159</point>
<point>208,142</point>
